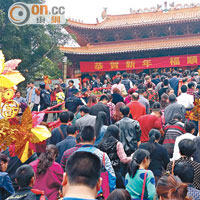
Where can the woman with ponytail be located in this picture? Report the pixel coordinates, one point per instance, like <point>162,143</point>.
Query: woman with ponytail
<point>140,182</point>
<point>171,188</point>
<point>48,173</point>
<point>158,154</point>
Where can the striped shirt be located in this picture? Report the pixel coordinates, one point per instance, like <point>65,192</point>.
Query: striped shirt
<point>67,154</point>
<point>172,130</point>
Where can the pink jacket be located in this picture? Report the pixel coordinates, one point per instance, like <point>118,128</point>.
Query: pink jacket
<point>49,182</point>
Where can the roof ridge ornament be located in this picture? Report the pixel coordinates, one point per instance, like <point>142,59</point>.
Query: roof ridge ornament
<point>104,13</point>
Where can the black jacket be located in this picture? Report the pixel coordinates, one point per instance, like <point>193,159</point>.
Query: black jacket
<point>94,110</point>
<point>26,194</point>
<point>110,147</point>
<point>159,158</point>
<point>72,103</point>
<point>130,133</point>
<point>45,99</point>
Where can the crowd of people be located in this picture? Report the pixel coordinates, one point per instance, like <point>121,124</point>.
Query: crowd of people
<point>132,140</point>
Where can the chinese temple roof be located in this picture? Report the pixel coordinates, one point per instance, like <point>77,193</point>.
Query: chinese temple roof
<point>142,19</point>
<point>135,46</point>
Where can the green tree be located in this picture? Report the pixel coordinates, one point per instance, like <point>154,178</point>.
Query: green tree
<point>36,45</point>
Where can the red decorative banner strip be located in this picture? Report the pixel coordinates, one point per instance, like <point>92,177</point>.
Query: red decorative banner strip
<point>145,63</point>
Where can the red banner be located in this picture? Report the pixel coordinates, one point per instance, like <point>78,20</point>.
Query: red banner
<point>145,63</point>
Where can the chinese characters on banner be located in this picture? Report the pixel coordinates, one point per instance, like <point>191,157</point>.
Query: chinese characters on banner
<point>146,63</point>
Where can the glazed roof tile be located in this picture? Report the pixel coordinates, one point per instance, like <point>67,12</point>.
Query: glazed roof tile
<point>142,19</point>
<point>135,46</point>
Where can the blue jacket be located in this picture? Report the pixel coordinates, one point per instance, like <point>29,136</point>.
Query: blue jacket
<point>108,166</point>
<point>6,187</point>
<point>33,95</point>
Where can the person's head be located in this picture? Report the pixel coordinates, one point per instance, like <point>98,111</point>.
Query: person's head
<point>186,147</point>
<point>170,187</point>
<point>198,87</point>
<point>125,110</point>
<point>174,74</point>
<point>18,94</point>
<point>28,85</point>
<point>164,101</point>
<point>131,91</point>
<point>183,88</point>
<point>141,158</point>
<point>191,85</point>
<point>105,81</point>
<point>112,135</point>
<point>165,82</point>
<point>94,77</point>
<point>125,75</point>
<point>118,74</point>
<point>118,80</point>
<point>101,120</point>
<point>147,79</point>
<point>72,130</point>
<point>56,86</point>
<point>119,194</point>
<point>60,80</point>
<point>189,127</point>
<point>185,171</point>
<point>172,98</point>
<point>104,99</point>
<point>82,170</point>
<point>84,92</point>
<point>64,117</point>
<point>170,91</point>
<point>149,85</point>
<point>116,91</point>
<point>154,136</point>
<point>162,78</point>
<point>87,134</point>
<point>71,83</point>
<point>42,85</point>
<point>153,75</point>
<point>47,158</point>
<point>135,96</point>
<point>117,114</point>
<point>156,109</point>
<point>141,90</point>
<point>92,100</point>
<point>113,131</point>
<point>71,116</point>
<point>98,80</point>
<point>84,110</point>
<point>4,160</point>
<point>25,176</point>
<point>75,91</point>
<point>178,117</point>
<point>31,83</point>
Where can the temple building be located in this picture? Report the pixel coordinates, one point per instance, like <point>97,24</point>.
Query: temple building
<point>151,39</point>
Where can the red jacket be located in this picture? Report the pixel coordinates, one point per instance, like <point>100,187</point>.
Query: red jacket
<point>147,122</point>
<point>137,109</point>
